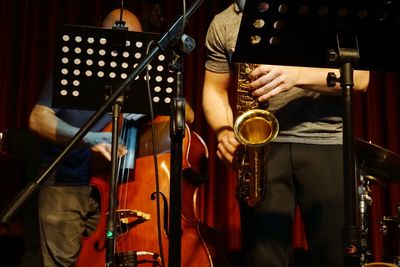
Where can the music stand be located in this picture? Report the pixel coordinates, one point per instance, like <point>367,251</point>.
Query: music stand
<point>89,62</point>
<point>306,33</point>
<point>300,32</point>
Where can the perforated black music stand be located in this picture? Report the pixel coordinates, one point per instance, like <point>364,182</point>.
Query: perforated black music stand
<point>300,32</point>
<point>90,62</point>
<point>331,33</point>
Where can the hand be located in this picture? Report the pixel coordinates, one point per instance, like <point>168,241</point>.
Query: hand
<point>227,146</point>
<point>270,80</point>
<point>104,149</point>
<point>100,142</point>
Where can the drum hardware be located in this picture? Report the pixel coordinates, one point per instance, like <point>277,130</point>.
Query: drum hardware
<point>390,229</point>
<point>374,161</point>
<point>365,202</point>
<point>387,225</point>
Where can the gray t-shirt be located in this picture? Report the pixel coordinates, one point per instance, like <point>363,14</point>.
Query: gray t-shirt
<point>304,116</point>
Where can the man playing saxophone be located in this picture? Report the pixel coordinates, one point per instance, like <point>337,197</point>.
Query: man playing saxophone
<point>305,164</point>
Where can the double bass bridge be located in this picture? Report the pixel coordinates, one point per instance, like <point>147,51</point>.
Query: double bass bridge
<point>128,219</point>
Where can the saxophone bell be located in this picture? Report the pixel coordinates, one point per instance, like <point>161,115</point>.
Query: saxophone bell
<point>256,127</point>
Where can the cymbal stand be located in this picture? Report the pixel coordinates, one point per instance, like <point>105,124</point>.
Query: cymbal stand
<point>365,202</point>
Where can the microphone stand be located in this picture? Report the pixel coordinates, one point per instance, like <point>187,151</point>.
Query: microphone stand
<point>167,40</point>
<point>110,232</point>
<point>350,231</point>
<point>177,132</point>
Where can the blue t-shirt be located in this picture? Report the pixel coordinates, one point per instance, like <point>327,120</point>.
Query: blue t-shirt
<point>75,168</point>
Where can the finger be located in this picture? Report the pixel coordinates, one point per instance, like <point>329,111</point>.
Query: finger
<point>105,152</point>
<point>277,90</point>
<point>267,81</point>
<point>229,144</point>
<point>103,149</point>
<point>268,87</point>
<point>259,71</point>
<point>122,151</point>
<point>219,155</point>
<point>234,142</point>
<point>224,153</point>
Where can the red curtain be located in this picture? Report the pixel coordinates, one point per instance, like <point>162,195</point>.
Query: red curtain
<point>26,53</point>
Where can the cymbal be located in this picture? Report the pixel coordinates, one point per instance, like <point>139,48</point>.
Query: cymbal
<point>375,180</point>
<point>377,161</point>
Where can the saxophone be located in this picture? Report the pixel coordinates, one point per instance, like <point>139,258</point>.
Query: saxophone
<point>254,128</point>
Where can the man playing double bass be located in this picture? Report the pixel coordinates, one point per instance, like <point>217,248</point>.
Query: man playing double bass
<point>68,207</point>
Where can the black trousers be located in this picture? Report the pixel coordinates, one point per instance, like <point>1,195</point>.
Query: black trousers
<point>312,177</point>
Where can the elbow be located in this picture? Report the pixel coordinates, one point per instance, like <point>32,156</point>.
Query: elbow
<point>363,86</point>
<point>362,81</point>
<point>39,118</point>
<point>189,113</point>
<point>33,120</point>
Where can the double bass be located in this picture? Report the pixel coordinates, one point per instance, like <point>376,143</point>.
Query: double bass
<point>143,206</point>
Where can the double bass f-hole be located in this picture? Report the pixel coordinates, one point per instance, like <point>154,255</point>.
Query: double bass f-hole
<point>166,210</point>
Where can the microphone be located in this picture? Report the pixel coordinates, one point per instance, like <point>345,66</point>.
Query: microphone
<point>240,4</point>
<point>120,24</point>
<point>119,35</point>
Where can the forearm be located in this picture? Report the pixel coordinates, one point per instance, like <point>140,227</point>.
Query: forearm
<point>314,79</point>
<point>218,113</point>
<point>216,107</point>
<point>44,122</point>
